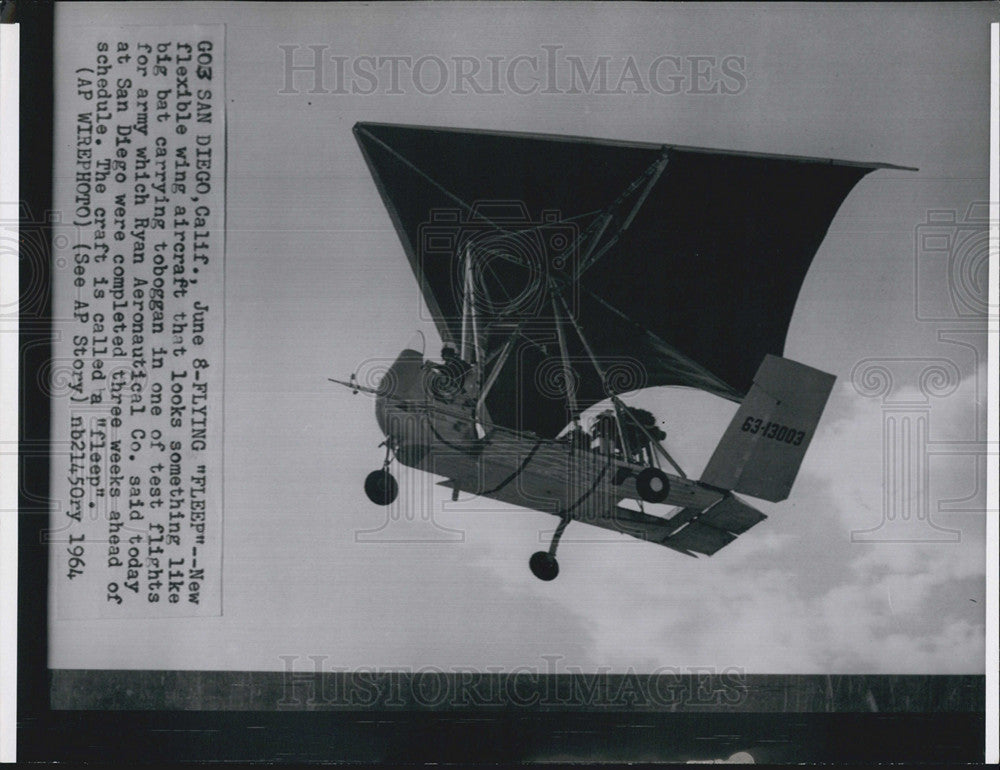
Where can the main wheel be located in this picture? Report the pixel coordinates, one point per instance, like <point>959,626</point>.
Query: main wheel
<point>653,485</point>
<point>543,566</point>
<point>381,487</point>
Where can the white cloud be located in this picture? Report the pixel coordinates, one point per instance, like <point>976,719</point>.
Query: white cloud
<point>795,594</point>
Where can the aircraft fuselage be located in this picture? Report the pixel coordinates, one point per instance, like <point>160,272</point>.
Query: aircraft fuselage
<point>438,434</point>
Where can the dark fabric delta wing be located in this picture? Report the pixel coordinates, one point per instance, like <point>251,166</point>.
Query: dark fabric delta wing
<point>695,292</point>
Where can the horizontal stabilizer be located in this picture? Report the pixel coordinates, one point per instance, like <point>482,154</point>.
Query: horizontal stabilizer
<point>732,515</point>
<point>701,538</point>
<point>706,532</point>
<point>763,447</point>
<point>691,531</point>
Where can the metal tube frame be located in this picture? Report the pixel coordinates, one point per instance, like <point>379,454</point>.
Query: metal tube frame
<point>567,370</point>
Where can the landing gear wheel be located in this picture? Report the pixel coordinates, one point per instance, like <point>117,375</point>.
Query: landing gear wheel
<point>653,485</point>
<point>381,487</point>
<point>544,566</point>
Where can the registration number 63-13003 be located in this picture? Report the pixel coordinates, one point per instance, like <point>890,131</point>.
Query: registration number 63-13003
<point>773,430</point>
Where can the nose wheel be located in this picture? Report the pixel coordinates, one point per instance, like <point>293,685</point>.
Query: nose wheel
<point>381,486</point>
<point>543,564</point>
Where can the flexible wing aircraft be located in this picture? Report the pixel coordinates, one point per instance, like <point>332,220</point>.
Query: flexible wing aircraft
<point>563,272</point>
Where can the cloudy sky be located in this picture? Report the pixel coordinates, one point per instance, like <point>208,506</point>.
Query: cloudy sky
<point>318,286</point>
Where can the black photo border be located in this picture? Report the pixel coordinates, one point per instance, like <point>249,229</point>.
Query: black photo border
<point>511,733</point>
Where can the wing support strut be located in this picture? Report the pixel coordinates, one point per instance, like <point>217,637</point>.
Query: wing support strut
<point>567,371</point>
<point>600,371</point>
<point>647,181</point>
<point>652,440</point>
<point>620,409</point>
<point>495,371</point>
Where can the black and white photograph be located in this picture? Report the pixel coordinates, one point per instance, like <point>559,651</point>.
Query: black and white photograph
<point>502,382</point>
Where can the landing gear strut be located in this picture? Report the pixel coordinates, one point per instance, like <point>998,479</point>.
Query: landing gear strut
<point>381,486</point>
<point>543,563</point>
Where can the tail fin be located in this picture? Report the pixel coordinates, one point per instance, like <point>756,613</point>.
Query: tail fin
<point>761,451</point>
